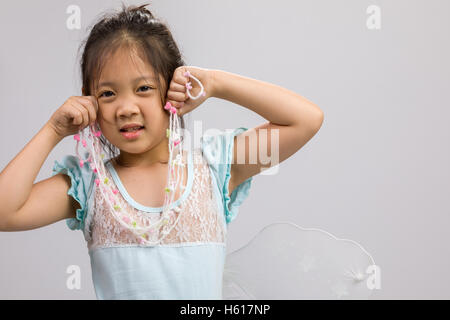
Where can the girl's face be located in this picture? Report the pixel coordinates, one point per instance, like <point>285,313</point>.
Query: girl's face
<point>124,97</point>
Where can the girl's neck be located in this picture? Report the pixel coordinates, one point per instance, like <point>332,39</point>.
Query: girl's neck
<point>157,155</point>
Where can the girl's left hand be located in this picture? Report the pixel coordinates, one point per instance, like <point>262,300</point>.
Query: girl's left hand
<point>177,93</point>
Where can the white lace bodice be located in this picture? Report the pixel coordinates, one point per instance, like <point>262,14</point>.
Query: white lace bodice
<point>201,220</point>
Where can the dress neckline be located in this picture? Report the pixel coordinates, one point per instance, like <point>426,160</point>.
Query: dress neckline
<point>123,191</point>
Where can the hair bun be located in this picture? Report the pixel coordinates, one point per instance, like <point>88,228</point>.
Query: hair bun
<point>141,9</point>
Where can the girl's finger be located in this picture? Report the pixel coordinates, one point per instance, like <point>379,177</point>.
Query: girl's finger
<point>176,104</point>
<point>177,96</point>
<point>77,116</point>
<point>94,103</point>
<point>91,100</point>
<point>84,114</point>
<point>180,77</point>
<point>174,86</point>
<point>89,105</point>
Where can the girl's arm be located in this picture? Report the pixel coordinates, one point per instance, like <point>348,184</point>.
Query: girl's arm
<point>25,205</point>
<point>16,179</point>
<point>295,118</point>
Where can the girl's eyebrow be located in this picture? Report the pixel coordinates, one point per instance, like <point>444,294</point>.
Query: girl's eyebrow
<point>111,83</point>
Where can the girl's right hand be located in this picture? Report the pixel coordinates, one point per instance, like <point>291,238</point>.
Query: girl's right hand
<point>74,115</point>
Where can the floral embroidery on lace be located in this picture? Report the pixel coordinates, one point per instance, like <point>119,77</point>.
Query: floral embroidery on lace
<point>200,221</point>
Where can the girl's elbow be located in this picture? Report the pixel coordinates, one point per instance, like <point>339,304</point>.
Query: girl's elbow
<point>317,121</point>
<point>321,117</point>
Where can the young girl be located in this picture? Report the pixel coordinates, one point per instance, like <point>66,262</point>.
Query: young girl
<point>134,83</point>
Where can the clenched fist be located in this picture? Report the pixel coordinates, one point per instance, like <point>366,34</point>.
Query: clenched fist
<point>74,115</point>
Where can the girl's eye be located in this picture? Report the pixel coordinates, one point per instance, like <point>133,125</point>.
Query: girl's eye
<point>146,87</point>
<point>104,93</point>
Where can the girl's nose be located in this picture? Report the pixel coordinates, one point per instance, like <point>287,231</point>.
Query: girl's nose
<point>126,110</point>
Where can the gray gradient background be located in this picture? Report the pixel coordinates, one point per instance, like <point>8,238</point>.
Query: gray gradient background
<point>377,171</point>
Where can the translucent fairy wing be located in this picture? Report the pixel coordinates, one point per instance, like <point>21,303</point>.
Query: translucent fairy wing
<point>285,261</point>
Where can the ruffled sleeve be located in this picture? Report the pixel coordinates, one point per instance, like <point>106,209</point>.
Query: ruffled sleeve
<point>218,151</point>
<point>81,185</point>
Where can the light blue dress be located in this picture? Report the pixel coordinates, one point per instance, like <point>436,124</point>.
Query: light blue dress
<point>189,265</point>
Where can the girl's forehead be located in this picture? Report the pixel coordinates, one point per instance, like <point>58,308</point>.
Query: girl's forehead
<point>123,65</point>
<point>129,76</point>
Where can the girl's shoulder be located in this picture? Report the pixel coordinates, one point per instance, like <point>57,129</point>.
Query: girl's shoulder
<point>82,183</point>
<point>217,149</point>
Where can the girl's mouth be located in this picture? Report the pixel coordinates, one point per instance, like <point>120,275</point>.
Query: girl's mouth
<point>131,133</point>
